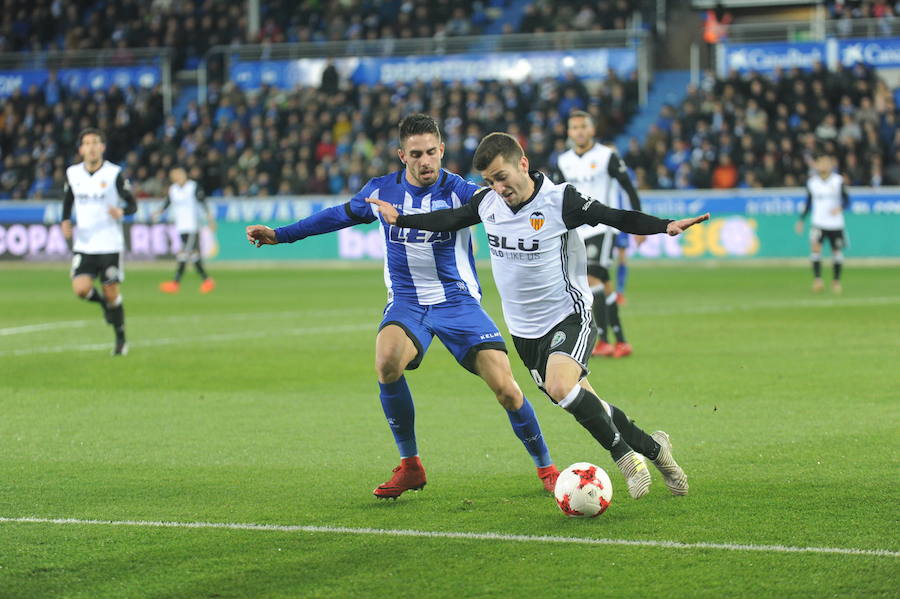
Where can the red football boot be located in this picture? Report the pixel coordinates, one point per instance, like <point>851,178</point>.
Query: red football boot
<point>603,348</point>
<point>207,285</point>
<point>548,476</point>
<point>408,476</point>
<point>622,350</point>
<point>170,287</point>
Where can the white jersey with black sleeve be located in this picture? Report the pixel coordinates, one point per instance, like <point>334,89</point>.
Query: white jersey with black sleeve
<point>185,202</point>
<point>92,195</point>
<point>539,264</point>
<point>828,198</point>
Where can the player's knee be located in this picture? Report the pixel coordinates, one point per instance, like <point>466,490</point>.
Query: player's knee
<point>509,395</point>
<point>557,389</point>
<point>389,370</point>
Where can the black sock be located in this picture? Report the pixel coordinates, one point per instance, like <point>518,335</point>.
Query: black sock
<point>599,310</point>
<point>96,296</point>
<point>200,270</point>
<point>180,271</point>
<point>612,311</point>
<point>817,267</point>
<point>640,441</point>
<point>837,270</point>
<point>590,413</point>
<point>117,319</point>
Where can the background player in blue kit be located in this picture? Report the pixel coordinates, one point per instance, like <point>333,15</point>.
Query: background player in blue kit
<point>433,290</point>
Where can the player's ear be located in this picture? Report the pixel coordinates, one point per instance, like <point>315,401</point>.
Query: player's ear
<point>441,150</point>
<point>402,155</point>
<point>523,162</point>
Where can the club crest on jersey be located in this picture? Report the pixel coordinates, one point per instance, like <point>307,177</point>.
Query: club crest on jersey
<point>103,184</point>
<point>439,205</point>
<point>537,220</point>
<point>558,338</point>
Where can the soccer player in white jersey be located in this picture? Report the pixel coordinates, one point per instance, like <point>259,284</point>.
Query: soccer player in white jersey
<point>95,188</point>
<point>599,173</point>
<point>186,198</point>
<point>433,291</point>
<point>539,266</point>
<point>826,197</point>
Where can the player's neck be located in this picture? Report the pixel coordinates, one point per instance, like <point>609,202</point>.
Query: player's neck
<point>582,150</point>
<point>93,167</point>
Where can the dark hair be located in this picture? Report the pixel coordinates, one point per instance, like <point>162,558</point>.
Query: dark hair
<point>580,114</point>
<point>418,124</point>
<point>496,144</point>
<point>91,131</point>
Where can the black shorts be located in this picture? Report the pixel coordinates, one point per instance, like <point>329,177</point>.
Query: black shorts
<point>190,246</point>
<point>573,336</point>
<point>106,267</point>
<point>835,237</point>
<point>600,250</point>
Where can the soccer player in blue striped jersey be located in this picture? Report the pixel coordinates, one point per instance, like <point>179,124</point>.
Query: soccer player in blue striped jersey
<point>433,290</point>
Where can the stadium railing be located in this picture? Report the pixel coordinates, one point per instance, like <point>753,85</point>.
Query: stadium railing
<point>95,59</point>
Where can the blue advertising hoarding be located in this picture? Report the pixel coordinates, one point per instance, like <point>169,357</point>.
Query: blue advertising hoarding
<point>878,53</point>
<point>75,79</point>
<point>764,57</point>
<point>515,66</point>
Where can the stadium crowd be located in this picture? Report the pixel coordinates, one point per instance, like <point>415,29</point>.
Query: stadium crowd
<point>760,131</point>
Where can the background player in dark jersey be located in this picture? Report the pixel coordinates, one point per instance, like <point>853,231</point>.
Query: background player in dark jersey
<point>826,198</point>
<point>96,188</point>
<point>539,268</point>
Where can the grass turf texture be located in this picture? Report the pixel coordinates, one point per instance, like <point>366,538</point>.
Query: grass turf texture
<point>242,406</point>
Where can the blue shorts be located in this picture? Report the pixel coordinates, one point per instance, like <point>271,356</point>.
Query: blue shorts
<point>621,240</point>
<point>461,324</point>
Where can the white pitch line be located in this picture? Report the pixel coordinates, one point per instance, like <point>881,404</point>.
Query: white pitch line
<point>474,536</point>
<point>47,326</point>
<point>247,335</point>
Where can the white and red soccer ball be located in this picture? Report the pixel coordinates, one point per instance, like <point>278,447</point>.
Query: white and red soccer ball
<point>583,490</point>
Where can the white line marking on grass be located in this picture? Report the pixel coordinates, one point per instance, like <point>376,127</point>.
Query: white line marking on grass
<point>472,536</point>
<point>724,307</point>
<point>47,326</point>
<point>349,328</point>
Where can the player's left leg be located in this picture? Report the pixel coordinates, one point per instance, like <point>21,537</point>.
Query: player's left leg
<point>815,258</point>
<point>837,257</point>
<point>493,366</point>
<point>656,446</point>
<point>621,244</point>
<point>474,340</point>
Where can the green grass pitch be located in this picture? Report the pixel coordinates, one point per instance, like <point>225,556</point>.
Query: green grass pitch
<point>258,405</point>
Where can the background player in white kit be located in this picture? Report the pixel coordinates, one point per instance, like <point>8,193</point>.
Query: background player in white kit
<point>186,198</point>
<point>540,272</point>
<point>95,188</point>
<point>599,173</point>
<point>826,197</point>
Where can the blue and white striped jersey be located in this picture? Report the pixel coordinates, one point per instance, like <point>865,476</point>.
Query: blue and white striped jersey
<point>419,266</point>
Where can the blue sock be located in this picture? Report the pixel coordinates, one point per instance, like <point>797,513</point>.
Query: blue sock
<point>397,403</point>
<point>621,277</point>
<point>525,425</point>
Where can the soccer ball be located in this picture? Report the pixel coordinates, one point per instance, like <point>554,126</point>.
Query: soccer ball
<point>583,490</point>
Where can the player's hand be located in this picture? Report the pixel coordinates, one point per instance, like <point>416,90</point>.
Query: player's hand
<point>261,235</point>
<point>639,239</point>
<point>389,213</point>
<point>836,210</point>
<point>116,212</point>
<point>212,226</point>
<point>679,226</point>
<point>66,227</point>
<point>798,227</point>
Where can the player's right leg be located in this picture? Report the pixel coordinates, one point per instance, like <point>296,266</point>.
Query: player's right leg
<point>401,343</point>
<point>836,239</point>
<point>84,270</point>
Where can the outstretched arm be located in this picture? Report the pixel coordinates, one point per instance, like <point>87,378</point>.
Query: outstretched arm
<point>452,219</point>
<point>579,210</point>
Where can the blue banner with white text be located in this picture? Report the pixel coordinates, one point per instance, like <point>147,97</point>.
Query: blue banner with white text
<point>100,78</point>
